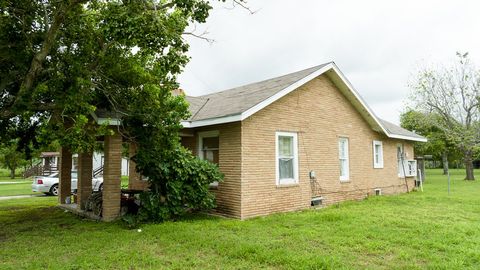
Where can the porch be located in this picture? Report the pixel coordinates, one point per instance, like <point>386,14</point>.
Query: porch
<point>107,202</point>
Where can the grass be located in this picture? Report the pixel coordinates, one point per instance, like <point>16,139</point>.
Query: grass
<point>24,186</point>
<point>429,230</point>
<point>21,188</point>
<point>5,174</point>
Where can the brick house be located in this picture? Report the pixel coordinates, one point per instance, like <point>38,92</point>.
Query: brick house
<point>302,138</point>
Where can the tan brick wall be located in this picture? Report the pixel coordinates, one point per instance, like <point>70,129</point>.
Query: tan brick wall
<point>319,113</point>
<point>228,193</point>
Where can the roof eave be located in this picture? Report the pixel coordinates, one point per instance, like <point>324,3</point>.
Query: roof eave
<point>337,77</point>
<point>212,121</point>
<point>408,138</point>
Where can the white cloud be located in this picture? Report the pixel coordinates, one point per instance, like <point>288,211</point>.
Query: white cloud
<point>377,44</point>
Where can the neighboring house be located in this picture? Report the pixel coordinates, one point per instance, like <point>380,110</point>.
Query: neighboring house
<point>300,138</point>
<point>51,161</point>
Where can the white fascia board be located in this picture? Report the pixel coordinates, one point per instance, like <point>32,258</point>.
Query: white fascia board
<point>285,91</point>
<point>408,138</point>
<point>294,86</point>
<point>370,112</point>
<point>359,98</point>
<point>213,121</point>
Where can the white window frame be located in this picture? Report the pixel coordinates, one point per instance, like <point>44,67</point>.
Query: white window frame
<point>400,164</point>
<point>286,181</point>
<point>411,168</point>
<point>346,177</point>
<point>207,134</point>
<point>379,164</point>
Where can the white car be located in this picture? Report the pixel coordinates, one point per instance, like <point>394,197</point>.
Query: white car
<point>49,184</point>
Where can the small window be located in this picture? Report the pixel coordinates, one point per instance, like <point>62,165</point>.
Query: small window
<point>287,158</point>
<point>377,154</point>
<point>74,163</point>
<point>343,158</point>
<point>208,146</point>
<point>400,160</point>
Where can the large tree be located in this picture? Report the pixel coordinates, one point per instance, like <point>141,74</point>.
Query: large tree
<point>60,61</point>
<point>453,93</point>
<point>428,125</point>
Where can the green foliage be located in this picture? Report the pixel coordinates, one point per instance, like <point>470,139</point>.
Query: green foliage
<point>429,126</point>
<point>116,56</point>
<point>452,94</point>
<point>11,158</point>
<point>103,54</point>
<point>179,183</point>
<point>419,230</point>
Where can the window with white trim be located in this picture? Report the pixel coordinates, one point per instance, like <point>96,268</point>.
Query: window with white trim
<point>286,158</point>
<point>208,148</point>
<point>343,158</point>
<point>400,160</point>
<point>377,154</point>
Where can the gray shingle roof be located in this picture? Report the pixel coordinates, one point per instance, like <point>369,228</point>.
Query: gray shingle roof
<point>237,100</point>
<point>394,129</point>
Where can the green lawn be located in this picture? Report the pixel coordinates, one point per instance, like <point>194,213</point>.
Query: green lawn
<point>24,186</point>
<point>5,174</point>
<point>428,230</point>
<point>20,188</point>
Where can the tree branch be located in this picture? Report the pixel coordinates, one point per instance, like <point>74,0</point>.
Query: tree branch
<point>39,58</point>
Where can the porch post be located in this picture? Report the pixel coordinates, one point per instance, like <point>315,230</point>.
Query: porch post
<point>111,177</point>
<point>134,178</point>
<point>84,184</point>
<point>65,175</point>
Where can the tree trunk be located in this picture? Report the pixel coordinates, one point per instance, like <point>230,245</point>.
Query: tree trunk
<point>12,173</point>
<point>445,162</point>
<point>469,165</point>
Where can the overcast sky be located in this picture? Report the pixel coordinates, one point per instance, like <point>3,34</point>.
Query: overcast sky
<point>377,44</point>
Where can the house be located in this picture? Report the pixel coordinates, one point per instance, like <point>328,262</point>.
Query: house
<point>304,138</point>
<point>50,162</point>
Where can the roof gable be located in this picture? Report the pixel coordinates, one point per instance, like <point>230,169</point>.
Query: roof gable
<point>238,100</point>
<point>240,103</point>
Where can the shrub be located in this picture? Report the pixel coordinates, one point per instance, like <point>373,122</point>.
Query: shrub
<point>179,184</point>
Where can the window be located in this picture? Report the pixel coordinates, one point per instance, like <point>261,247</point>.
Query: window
<point>406,168</point>
<point>411,168</point>
<point>74,162</point>
<point>209,146</point>
<point>287,158</point>
<point>377,154</point>
<point>400,159</point>
<point>343,158</point>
